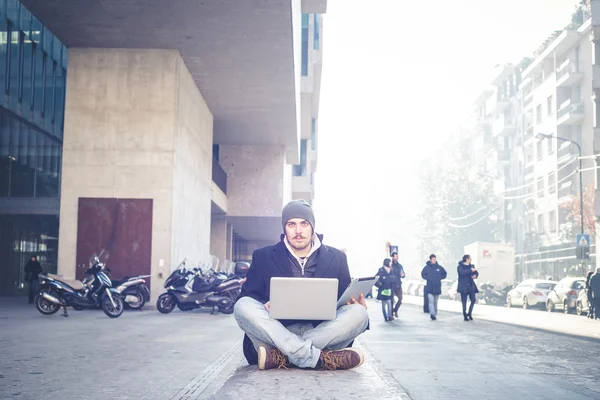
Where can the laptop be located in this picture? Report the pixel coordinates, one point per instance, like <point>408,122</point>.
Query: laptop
<point>312,299</point>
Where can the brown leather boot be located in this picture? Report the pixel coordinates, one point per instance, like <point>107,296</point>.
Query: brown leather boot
<point>271,359</point>
<point>332,360</point>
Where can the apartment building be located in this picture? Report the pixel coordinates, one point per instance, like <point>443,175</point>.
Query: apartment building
<point>556,96</point>
<point>493,136</point>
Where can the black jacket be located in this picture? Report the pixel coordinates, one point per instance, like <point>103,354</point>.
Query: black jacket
<point>595,285</point>
<point>32,270</point>
<point>398,270</point>
<point>387,280</point>
<point>433,274</point>
<point>466,284</point>
<point>274,261</point>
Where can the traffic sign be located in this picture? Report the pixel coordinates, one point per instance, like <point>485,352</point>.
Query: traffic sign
<point>583,246</point>
<point>583,240</point>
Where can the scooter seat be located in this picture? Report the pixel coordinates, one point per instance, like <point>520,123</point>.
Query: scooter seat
<point>75,284</point>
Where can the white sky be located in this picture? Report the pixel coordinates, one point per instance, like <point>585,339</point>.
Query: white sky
<point>398,76</point>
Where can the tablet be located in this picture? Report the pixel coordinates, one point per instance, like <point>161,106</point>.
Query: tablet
<point>355,288</point>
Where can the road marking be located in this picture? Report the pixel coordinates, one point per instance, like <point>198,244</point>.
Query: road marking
<point>194,389</point>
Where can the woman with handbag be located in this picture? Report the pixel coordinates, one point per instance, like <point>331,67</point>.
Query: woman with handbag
<point>386,284</point>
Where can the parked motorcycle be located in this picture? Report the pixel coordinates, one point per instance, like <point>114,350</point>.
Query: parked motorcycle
<point>133,291</point>
<point>492,295</point>
<point>190,289</point>
<point>95,291</point>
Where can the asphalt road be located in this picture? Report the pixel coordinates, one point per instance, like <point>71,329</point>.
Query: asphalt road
<point>146,355</point>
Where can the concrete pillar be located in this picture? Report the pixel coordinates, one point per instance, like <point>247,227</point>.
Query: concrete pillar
<point>136,126</point>
<point>230,242</point>
<point>218,239</point>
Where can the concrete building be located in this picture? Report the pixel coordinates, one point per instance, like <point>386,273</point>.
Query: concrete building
<point>556,100</point>
<point>182,125</point>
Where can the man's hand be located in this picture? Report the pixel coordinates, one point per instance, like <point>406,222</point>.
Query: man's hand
<point>361,301</point>
<point>267,305</point>
<point>474,276</point>
<point>402,275</point>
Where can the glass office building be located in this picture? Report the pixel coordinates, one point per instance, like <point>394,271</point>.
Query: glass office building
<point>32,96</point>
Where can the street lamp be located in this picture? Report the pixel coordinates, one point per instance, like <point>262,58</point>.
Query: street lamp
<point>541,136</point>
<point>506,208</point>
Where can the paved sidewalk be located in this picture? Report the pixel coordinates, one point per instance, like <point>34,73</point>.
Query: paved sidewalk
<point>195,355</point>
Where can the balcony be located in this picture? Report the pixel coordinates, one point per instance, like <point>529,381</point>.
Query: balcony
<point>566,152</point>
<point>502,102</point>
<point>569,113</point>
<point>219,176</point>
<point>503,126</point>
<point>529,170</point>
<point>566,189</point>
<point>568,73</point>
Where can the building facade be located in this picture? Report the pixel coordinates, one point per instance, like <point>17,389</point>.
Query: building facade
<point>33,70</point>
<point>159,138</point>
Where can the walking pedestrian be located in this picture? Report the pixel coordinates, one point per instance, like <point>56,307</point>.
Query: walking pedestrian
<point>32,271</point>
<point>386,284</point>
<point>466,285</point>
<point>595,287</point>
<point>590,297</point>
<point>398,271</point>
<point>433,273</point>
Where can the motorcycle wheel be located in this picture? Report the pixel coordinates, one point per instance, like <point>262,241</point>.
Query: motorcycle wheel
<point>44,306</point>
<point>165,303</point>
<point>139,304</point>
<point>226,310</point>
<point>110,310</point>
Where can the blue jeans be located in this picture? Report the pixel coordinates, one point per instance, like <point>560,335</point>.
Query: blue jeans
<point>386,307</point>
<point>301,342</point>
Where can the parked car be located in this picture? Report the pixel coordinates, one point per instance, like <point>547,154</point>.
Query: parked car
<point>446,285</point>
<point>583,306</point>
<point>565,294</point>
<point>530,293</point>
<point>453,292</point>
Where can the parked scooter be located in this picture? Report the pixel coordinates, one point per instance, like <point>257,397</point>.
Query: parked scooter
<point>95,291</point>
<point>133,290</point>
<point>190,289</point>
<point>492,295</point>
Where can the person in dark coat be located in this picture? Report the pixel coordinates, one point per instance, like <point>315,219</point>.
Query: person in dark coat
<point>589,294</point>
<point>322,345</point>
<point>466,285</point>
<point>398,271</point>
<point>32,271</point>
<point>433,273</point>
<point>595,288</point>
<point>386,285</point>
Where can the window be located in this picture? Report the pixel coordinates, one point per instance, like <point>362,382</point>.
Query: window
<point>550,105</point>
<point>538,114</point>
<point>305,44</point>
<point>313,134</point>
<point>552,220</point>
<point>317,34</point>
<point>550,142</point>
<point>552,182</point>
<point>529,154</point>
<point>576,94</point>
<point>540,187</point>
<point>300,169</point>
<point>540,153</point>
<point>540,223</point>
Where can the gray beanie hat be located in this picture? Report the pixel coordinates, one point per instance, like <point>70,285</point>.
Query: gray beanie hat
<point>298,209</point>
